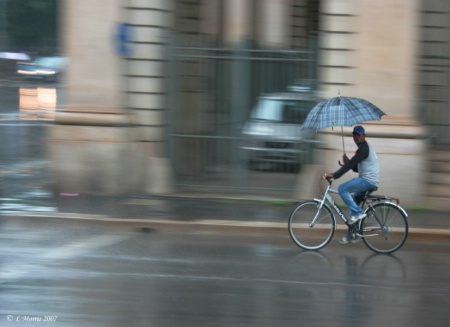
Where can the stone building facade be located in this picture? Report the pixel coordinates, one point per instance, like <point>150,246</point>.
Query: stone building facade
<point>111,136</point>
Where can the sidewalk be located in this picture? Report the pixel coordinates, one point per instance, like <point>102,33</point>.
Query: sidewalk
<point>198,211</point>
<point>25,195</point>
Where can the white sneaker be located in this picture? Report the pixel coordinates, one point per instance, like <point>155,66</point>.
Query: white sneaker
<point>354,219</point>
<point>349,238</point>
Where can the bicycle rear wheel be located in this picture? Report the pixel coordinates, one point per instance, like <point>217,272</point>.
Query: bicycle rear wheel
<point>385,228</point>
<point>311,237</point>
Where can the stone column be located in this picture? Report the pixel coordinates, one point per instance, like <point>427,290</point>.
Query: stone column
<point>146,86</point>
<point>90,140</point>
<point>368,50</point>
<point>237,21</point>
<point>273,18</point>
<point>108,138</point>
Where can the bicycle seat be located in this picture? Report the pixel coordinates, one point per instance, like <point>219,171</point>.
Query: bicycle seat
<point>369,192</point>
<point>372,197</point>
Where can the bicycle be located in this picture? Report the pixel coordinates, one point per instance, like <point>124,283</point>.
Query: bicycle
<point>312,223</point>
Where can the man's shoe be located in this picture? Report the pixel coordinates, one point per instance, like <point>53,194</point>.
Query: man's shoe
<point>354,219</point>
<point>349,238</point>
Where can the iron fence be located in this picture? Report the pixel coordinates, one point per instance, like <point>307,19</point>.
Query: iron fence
<point>212,93</point>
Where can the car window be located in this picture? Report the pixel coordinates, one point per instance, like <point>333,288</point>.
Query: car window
<point>50,62</point>
<point>267,109</point>
<point>43,61</point>
<point>282,111</point>
<point>295,112</point>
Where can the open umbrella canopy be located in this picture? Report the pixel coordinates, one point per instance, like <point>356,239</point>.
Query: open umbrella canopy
<point>341,111</point>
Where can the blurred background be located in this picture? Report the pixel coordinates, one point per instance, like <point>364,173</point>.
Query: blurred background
<point>166,97</point>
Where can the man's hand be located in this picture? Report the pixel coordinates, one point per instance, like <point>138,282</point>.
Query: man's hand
<point>328,176</point>
<point>345,159</point>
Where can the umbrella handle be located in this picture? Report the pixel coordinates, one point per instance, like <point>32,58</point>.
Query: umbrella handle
<point>339,162</point>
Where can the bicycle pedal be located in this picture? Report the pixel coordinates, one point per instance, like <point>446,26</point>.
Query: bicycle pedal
<point>366,235</point>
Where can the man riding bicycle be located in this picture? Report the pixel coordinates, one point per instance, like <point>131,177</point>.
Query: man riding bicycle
<point>365,162</point>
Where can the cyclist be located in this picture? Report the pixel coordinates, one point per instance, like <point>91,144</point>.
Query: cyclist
<point>365,163</point>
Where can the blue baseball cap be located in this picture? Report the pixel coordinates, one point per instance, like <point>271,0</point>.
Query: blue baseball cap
<point>359,130</point>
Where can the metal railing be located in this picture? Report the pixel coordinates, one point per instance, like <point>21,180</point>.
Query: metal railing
<point>212,93</point>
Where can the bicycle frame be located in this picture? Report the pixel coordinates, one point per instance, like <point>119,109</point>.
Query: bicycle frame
<point>327,197</point>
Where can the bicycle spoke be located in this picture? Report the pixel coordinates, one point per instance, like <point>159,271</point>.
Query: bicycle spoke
<point>385,229</point>
<point>307,235</point>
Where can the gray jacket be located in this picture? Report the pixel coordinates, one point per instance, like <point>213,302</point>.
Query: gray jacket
<point>365,162</point>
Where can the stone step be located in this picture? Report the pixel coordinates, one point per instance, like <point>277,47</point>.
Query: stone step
<point>438,203</point>
<point>439,178</point>
<point>438,190</point>
<point>436,155</point>
<point>439,167</point>
<point>438,185</point>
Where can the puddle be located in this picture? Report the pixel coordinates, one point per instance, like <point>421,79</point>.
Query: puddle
<point>25,189</point>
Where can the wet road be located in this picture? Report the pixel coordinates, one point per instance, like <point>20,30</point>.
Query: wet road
<point>23,140</point>
<point>26,109</point>
<point>64,273</point>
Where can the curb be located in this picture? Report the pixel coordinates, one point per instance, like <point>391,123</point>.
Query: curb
<point>222,226</point>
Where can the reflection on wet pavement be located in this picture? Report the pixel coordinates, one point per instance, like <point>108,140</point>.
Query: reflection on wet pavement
<point>26,191</point>
<point>37,103</point>
<point>25,180</point>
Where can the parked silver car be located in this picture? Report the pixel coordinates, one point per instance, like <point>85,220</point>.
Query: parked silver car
<point>45,68</point>
<point>272,133</point>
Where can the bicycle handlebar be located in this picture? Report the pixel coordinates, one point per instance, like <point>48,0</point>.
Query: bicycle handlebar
<point>322,186</point>
<point>329,180</point>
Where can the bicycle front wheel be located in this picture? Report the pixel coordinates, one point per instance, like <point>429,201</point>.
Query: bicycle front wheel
<point>385,228</point>
<point>306,235</point>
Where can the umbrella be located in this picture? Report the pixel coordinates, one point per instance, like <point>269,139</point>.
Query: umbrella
<point>341,111</point>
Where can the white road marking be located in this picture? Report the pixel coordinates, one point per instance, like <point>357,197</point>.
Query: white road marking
<point>15,270</point>
<point>75,249</point>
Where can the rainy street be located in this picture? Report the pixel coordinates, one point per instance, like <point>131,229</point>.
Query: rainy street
<point>67,273</point>
<point>153,154</point>
<point>62,272</point>
<point>26,108</point>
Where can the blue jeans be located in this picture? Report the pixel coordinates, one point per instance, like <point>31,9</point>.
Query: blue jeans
<point>358,186</point>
